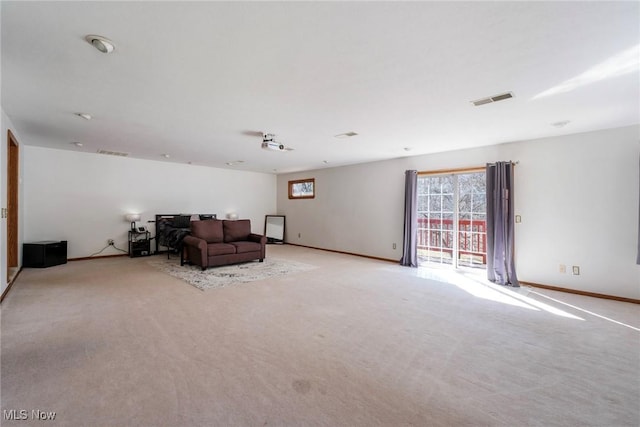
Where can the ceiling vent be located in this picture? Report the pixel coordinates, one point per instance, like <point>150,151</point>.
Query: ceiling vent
<point>491,99</point>
<point>113,153</point>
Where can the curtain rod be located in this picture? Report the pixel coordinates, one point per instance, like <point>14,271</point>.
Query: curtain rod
<point>460,170</point>
<point>510,161</point>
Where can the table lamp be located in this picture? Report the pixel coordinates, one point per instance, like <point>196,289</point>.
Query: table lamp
<point>132,218</point>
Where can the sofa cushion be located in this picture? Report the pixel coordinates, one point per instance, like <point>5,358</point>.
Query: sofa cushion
<point>236,230</point>
<point>244,247</point>
<point>209,231</point>
<point>220,249</point>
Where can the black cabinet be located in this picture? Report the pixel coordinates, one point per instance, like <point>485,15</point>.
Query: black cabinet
<point>44,254</point>
<point>139,243</point>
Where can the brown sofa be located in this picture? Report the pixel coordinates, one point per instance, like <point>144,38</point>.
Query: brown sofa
<point>220,242</point>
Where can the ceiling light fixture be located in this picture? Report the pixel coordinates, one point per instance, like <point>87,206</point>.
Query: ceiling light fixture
<point>78,144</point>
<point>561,124</point>
<point>103,44</point>
<point>236,162</point>
<point>407,148</point>
<point>85,116</point>
<point>325,162</point>
<point>166,156</point>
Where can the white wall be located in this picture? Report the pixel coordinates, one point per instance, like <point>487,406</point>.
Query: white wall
<point>83,197</point>
<point>577,195</point>
<point>5,126</point>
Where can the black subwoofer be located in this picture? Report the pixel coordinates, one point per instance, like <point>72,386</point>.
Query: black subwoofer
<point>44,254</point>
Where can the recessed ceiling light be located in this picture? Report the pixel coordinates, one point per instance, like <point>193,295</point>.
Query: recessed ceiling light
<point>103,44</point>
<point>346,135</point>
<point>407,148</point>
<point>78,144</point>
<point>561,124</point>
<point>325,161</point>
<point>85,116</point>
<point>166,156</point>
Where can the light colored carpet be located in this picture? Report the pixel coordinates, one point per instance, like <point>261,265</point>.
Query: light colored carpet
<point>354,342</point>
<point>223,276</point>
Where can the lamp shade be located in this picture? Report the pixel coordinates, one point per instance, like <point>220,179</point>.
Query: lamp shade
<point>131,217</point>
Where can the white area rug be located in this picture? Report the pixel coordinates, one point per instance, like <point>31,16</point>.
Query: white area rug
<point>220,277</point>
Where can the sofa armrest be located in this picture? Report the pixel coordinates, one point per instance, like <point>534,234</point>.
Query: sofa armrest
<point>258,238</point>
<point>196,250</point>
<point>195,242</point>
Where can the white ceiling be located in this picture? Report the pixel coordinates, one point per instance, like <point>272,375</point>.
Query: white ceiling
<point>201,80</point>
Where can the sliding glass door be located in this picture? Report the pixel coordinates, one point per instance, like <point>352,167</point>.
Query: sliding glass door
<point>452,219</point>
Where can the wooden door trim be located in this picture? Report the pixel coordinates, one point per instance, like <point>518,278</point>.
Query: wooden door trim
<point>13,165</point>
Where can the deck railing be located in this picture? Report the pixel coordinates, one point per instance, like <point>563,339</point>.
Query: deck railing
<point>437,235</point>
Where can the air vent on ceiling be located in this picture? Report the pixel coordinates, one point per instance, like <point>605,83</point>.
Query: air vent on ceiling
<point>112,153</point>
<point>491,99</point>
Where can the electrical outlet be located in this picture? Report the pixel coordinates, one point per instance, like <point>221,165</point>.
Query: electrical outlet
<point>298,235</point>
<point>518,219</point>
<point>110,242</point>
<point>576,270</point>
<point>394,246</point>
<point>563,269</point>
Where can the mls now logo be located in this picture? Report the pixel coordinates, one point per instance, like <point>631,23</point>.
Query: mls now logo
<point>23,414</point>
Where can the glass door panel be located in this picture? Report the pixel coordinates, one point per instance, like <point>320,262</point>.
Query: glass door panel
<point>472,201</point>
<point>451,219</point>
<point>435,219</point>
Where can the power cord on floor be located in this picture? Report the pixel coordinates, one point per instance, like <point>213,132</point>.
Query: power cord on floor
<point>109,245</point>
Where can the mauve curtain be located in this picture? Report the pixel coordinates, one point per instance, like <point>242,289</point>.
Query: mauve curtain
<point>410,243</point>
<point>500,224</point>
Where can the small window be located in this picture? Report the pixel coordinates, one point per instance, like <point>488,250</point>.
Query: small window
<point>302,189</point>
